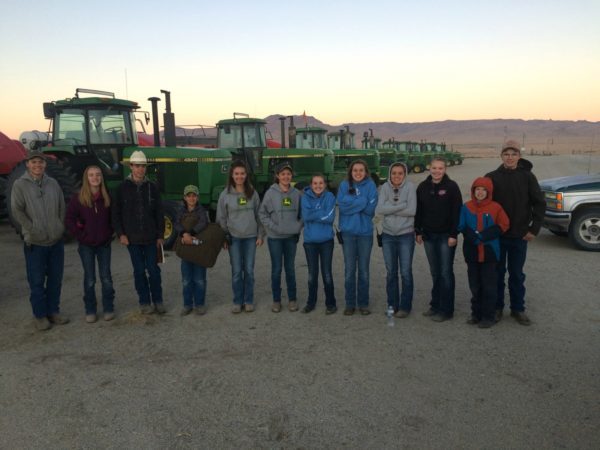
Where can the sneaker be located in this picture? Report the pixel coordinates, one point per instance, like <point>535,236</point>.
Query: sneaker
<point>236,309</point>
<point>249,307</point>
<point>185,310</point>
<point>331,310</point>
<point>159,308</point>
<point>200,310</point>
<point>473,320</point>
<point>364,311</point>
<point>42,324</point>
<point>147,309</point>
<point>486,324</point>
<point>430,312</point>
<point>498,315</point>
<point>293,305</point>
<point>520,317</point>
<point>276,307</point>
<point>90,318</point>
<point>401,314</point>
<point>440,317</point>
<point>58,319</point>
<point>349,311</point>
<point>108,316</point>
<point>307,309</point>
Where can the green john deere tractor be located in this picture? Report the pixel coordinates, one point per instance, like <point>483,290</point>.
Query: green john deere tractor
<point>389,153</point>
<point>342,144</point>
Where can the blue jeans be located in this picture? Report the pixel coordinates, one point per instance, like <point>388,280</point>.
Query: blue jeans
<point>242,252</point>
<point>88,257</point>
<point>513,253</point>
<point>44,273</point>
<point>193,279</point>
<point>357,255</point>
<point>482,282</point>
<point>441,265</point>
<point>324,252</point>
<point>398,252</point>
<point>143,259</point>
<point>283,250</point>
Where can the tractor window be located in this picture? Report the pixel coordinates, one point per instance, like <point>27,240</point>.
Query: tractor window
<point>110,127</point>
<point>70,125</point>
<point>254,136</point>
<point>230,137</point>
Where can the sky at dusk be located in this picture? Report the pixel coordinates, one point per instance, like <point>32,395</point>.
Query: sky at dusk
<point>338,61</point>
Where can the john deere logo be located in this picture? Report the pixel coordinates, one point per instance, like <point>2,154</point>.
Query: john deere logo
<point>242,201</point>
<point>286,201</point>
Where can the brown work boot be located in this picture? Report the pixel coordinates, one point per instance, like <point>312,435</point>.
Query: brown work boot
<point>58,319</point>
<point>90,318</point>
<point>42,324</point>
<point>276,307</point>
<point>520,317</point>
<point>293,305</point>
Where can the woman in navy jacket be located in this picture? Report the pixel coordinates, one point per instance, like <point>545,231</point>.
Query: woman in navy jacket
<point>357,200</point>
<point>318,213</point>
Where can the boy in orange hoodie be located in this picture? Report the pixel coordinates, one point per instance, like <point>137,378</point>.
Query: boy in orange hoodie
<point>482,221</point>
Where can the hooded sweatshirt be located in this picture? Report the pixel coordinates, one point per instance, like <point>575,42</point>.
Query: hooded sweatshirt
<point>318,214</point>
<point>397,205</point>
<point>238,215</point>
<point>438,207</point>
<point>482,222</point>
<point>280,212</point>
<point>358,208</point>
<point>89,225</point>
<point>39,208</point>
<point>519,194</point>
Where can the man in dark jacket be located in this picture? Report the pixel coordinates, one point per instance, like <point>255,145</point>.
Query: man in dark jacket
<point>139,222</point>
<point>517,190</point>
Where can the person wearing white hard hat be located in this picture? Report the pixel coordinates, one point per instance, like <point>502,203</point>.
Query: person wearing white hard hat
<point>139,223</point>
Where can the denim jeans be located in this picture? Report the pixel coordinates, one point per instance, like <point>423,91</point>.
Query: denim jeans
<point>441,265</point>
<point>193,280</point>
<point>398,252</point>
<point>45,267</point>
<point>513,253</point>
<point>283,250</point>
<point>357,255</point>
<point>483,285</point>
<point>324,252</point>
<point>88,256</point>
<point>242,252</point>
<point>143,259</point>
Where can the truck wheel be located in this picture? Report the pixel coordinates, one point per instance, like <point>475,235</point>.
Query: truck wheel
<point>61,173</point>
<point>170,213</point>
<point>584,231</point>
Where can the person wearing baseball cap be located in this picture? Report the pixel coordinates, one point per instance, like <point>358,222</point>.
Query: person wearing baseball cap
<point>139,222</point>
<point>38,208</point>
<point>517,190</point>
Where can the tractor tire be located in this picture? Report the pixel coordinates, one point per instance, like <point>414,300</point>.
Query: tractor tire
<point>459,162</point>
<point>451,162</point>
<point>417,168</point>
<point>3,202</point>
<point>584,231</point>
<point>67,181</point>
<point>170,213</point>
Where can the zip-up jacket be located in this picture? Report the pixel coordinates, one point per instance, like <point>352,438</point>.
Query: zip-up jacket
<point>39,208</point>
<point>318,214</point>
<point>482,223</point>
<point>438,207</point>
<point>280,212</point>
<point>137,212</point>
<point>89,225</point>
<point>398,207</point>
<point>197,216</point>
<point>238,215</point>
<point>358,208</point>
<point>519,194</point>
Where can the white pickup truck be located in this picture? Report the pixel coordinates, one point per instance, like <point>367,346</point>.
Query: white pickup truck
<point>573,209</point>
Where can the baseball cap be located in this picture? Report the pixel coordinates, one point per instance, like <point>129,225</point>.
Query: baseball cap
<point>190,188</point>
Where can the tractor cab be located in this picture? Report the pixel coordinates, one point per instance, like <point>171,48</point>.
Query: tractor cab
<point>311,137</point>
<point>342,144</point>
<point>92,130</point>
<point>245,137</point>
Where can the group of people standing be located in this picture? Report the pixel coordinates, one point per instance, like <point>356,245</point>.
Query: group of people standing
<point>432,214</point>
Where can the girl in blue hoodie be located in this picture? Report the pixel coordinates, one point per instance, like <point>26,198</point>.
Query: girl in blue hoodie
<point>318,213</point>
<point>357,200</point>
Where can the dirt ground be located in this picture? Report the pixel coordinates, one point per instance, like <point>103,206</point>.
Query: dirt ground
<point>291,380</point>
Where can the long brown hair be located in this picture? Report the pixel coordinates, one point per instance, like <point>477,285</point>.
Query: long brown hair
<point>85,194</point>
<point>248,188</point>
<point>351,166</point>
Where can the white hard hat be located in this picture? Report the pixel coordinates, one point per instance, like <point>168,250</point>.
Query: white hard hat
<point>138,157</point>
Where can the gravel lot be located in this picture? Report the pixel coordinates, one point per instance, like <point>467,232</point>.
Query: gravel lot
<point>291,380</point>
